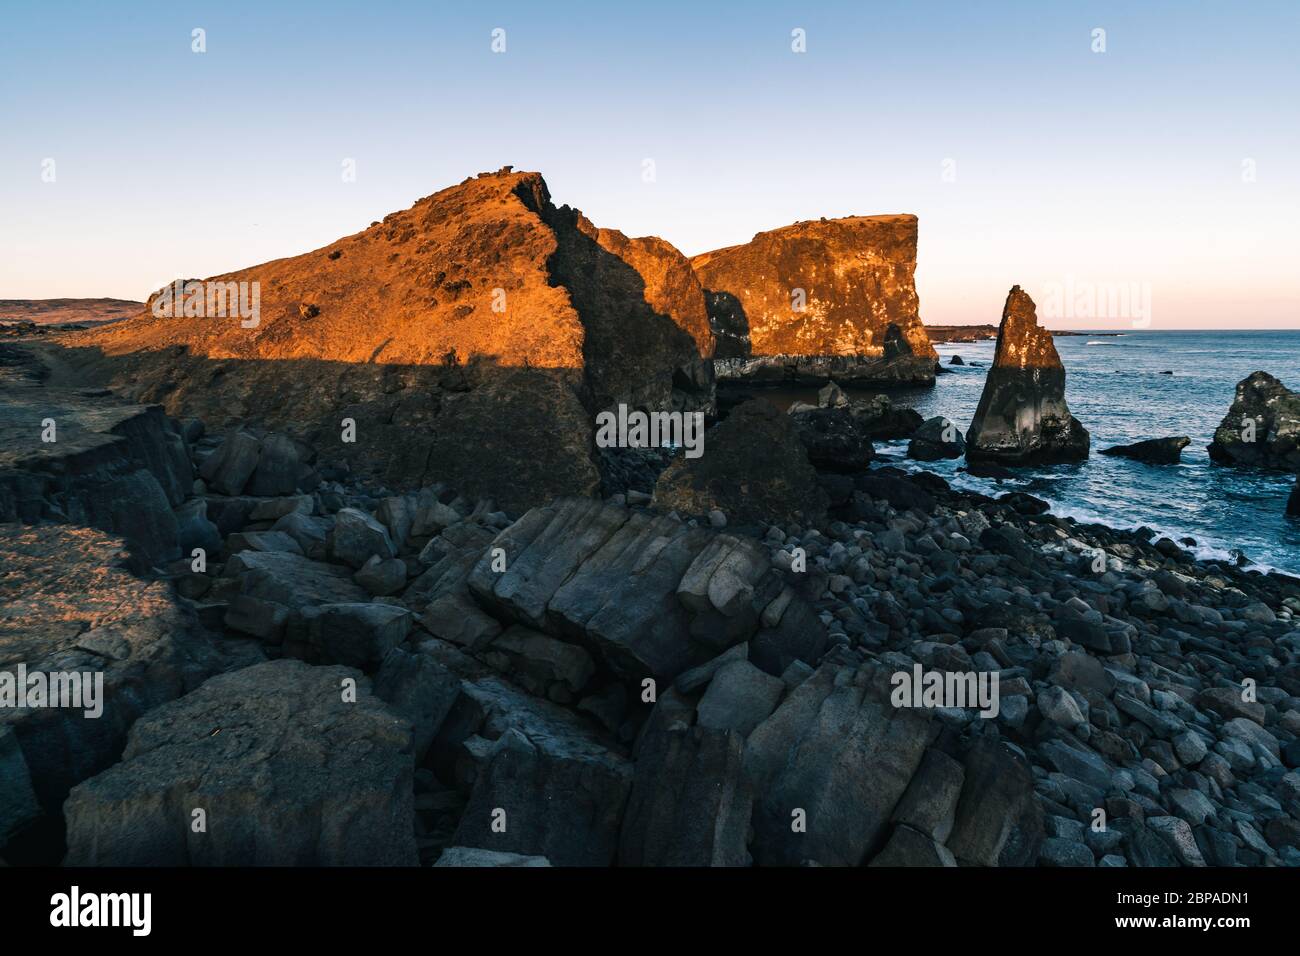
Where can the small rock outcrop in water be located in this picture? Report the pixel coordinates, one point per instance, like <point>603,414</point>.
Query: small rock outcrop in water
<point>937,438</point>
<point>1293,502</point>
<point>1153,451</point>
<point>1262,427</point>
<point>1022,417</point>
<point>817,300</point>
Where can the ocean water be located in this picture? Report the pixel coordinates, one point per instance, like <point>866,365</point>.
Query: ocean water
<point>1114,387</point>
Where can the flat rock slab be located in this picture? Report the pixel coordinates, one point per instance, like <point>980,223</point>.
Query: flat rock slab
<point>287,772</point>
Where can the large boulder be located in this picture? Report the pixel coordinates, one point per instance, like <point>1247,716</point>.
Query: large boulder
<point>1262,427</point>
<point>646,595</point>
<point>691,802</point>
<point>283,763</point>
<point>830,765</point>
<point>755,469</point>
<point>817,300</point>
<point>1022,417</point>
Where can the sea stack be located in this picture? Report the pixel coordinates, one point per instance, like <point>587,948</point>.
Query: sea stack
<point>1022,418</point>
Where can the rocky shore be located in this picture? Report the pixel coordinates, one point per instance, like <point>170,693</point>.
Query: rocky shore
<point>657,678</point>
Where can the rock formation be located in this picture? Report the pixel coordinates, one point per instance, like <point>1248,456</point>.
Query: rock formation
<point>483,327</point>
<point>1153,451</point>
<point>1262,428</point>
<point>820,300</point>
<point>754,464</point>
<point>1022,417</point>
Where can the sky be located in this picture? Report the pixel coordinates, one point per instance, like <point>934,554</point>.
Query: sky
<point>1153,168</point>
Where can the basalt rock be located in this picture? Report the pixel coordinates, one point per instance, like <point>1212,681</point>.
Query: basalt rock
<point>71,607</point>
<point>819,300</point>
<point>1153,451</point>
<point>1022,417</point>
<point>754,468</point>
<point>248,749</point>
<point>1262,428</point>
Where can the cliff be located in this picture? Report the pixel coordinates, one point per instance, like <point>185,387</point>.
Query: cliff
<point>822,289</point>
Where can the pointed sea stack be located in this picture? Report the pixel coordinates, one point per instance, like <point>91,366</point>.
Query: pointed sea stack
<point>1022,418</point>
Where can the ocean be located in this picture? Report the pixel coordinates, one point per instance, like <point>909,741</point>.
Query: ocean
<point>1114,387</point>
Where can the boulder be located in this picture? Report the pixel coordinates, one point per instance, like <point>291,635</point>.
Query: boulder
<point>834,438</point>
<point>739,698</point>
<point>357,537</point>
<point>690,802</point>
<point>1022,417</point>
<point>1153,451</point>
<point>462,856</point>
<point>247,749</point>
<point>936,439</point>
<point>835,757</point>
<point>356,635</point>
<point>540,664</point>
<point>1262,427</point>
<point>754,469</point>
<point>228,469</point>
<point>999,820</point>
<point>278,466</point>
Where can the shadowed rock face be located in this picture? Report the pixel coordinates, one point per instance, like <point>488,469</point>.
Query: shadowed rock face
<point>421,327</point>
<point>856,277</point>
<point>1262,428</point>
<point>1022,417</point>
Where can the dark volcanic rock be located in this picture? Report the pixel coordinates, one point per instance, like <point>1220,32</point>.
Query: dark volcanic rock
<point>1153,451</point>
<point>1293,502</point>
<point>1022,417</point>
<point>71,607</point>
<point>840,753</point>
<point>754,469</point>
<point>835,439</point>
<point>936,439</point>
<point>1261,428</point>
<point>286,769</point>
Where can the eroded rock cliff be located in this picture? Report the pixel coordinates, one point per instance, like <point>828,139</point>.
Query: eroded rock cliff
<point>827,291</point>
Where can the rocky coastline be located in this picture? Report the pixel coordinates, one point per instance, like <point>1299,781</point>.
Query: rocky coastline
<point>346,590</point>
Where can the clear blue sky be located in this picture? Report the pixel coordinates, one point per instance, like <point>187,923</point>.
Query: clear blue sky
<point>1097,168</point>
